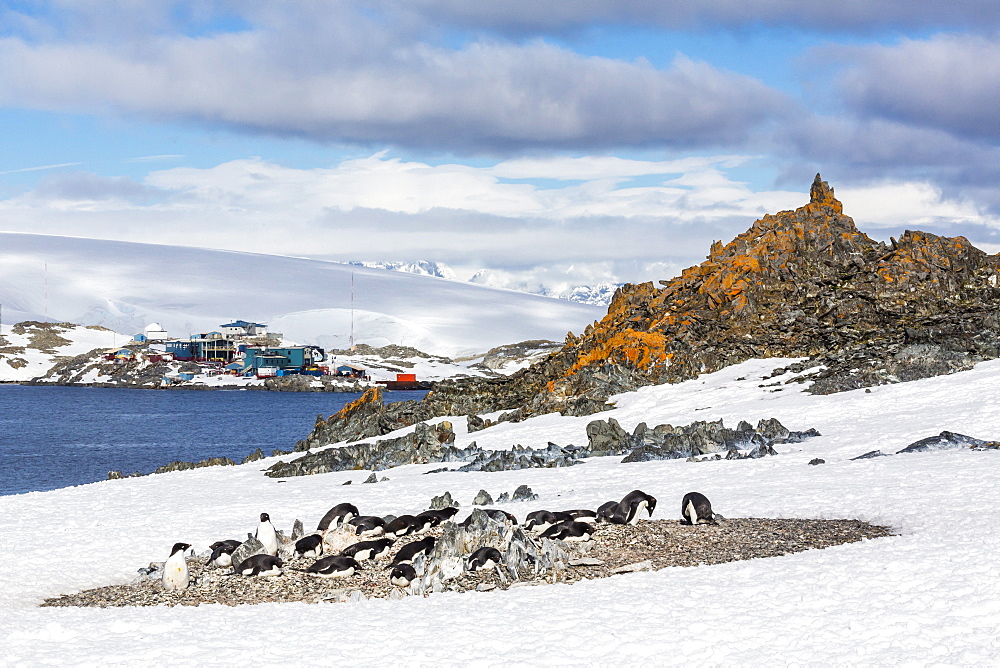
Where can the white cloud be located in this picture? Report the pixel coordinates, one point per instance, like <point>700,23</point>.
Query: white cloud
<point>383,208</point>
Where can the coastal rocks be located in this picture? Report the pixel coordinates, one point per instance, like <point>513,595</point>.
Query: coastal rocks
<point>483,498</point>
<point>185,466</point>
<point>520,457</point>
<point>366,417</point>
<point>426,444</point>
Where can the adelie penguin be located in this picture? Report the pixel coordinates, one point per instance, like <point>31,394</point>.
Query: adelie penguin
<point>484,558</point>
<point>222,553</point>
<point>259,565</point>
<point>635,502</point>
<point>612,513</point>
<point>369,549</point>
<point>267,535</point>
<point>338,515</point>
<point>404,525</point>
<point>408,552</point>
<point>310,546</point>
<point>175,570</point>
<point>334,567</point>
<point>401,575</point>
<point>696,509</point>
<point>569,531</point>
<point>367,526</point>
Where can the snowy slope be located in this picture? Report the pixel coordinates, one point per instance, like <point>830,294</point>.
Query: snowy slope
<point>125,286</point>
<point>24,355</point>
<point>929,596</point>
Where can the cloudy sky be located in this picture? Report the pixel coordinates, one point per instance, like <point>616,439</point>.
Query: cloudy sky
<point>579,140</point>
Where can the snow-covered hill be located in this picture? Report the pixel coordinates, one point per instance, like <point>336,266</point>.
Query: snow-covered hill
<point>125,286</point>
<point>926,596</point>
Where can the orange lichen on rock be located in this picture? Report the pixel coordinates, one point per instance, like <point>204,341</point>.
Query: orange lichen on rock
<point>641,350</point>
<point>371,396</point>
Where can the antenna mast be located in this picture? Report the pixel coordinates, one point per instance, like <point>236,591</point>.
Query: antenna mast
<point>46,290</point>
<point>352,311</point>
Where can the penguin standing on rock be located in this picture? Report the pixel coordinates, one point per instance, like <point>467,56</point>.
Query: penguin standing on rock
<point>267,535</point>
<point>696,509</point>
<point>175,570</point>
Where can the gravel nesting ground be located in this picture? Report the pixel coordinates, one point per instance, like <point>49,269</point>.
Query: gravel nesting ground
<point>649,545</point>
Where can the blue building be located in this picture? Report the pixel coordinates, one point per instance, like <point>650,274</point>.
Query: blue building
<point>266,361</point>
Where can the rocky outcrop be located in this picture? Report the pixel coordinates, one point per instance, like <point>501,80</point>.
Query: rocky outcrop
<point>433,444</point>
<point>802,283</point>
<point>366,417</point>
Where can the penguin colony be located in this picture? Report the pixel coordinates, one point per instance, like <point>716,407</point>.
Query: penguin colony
<point>371,539</point>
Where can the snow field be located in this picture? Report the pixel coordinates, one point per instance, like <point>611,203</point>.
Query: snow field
<point>928,596</point>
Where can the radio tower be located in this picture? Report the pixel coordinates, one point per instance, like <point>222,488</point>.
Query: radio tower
<point>352,311</point>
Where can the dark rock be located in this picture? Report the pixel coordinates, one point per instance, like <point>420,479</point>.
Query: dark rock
<point>946,440</point>
<point>371,479</point>
<point>280,453</point>
<point>817,461</point>
<point>475,423</point>
<point>870,455</point>
<point>348,482</point>
<point>524,493</point>
<point>443,501</point>
<point>253,456</point>
<point>483,498</point>
<point>504,497</point>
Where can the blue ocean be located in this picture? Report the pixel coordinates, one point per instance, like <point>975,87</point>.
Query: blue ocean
<point>52,437</point>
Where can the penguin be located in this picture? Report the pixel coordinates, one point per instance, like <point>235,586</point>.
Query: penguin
<point>259,565</point>
<point>334,567</point>
<point>408,552</point>
<point>540,520</point>
<point>484,558</point>
<point>696,509</point>
<point>367,526</point>
<point>369,549</point>
<point>175,570</point>
<point>612,512</point>
<point>402,574</point>
<point>404,525</point>
<point>338,515</point>
<point>437,517</point>
<point>310,546</point>
<point>635,502</point>
<point>222,553</point>
<point>569,531</point>
<point>267,535</point>
<point>583,515</point>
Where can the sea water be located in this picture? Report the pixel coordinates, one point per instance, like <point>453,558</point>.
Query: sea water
<point>53,437</point>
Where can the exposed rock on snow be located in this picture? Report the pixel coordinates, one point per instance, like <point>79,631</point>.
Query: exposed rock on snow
<point>430,444</point>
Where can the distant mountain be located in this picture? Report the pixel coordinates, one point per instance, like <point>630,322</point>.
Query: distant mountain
<point>125,286</point>
<point>420,267</point>
<point>599,294</point>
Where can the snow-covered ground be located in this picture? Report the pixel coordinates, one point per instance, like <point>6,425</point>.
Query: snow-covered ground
<point>126,286</point>
<point>929,596</point>
<point>22,359</point>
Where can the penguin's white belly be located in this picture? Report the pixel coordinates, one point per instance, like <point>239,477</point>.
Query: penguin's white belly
<point>175,572</point>
<point>224,560</point>
<point>337,574</point>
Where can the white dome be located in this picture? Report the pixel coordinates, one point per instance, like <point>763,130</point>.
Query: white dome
<point>154,327</point>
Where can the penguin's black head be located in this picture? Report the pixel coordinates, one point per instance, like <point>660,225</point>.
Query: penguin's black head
<point>264,517</point>
<point>179,547</point>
